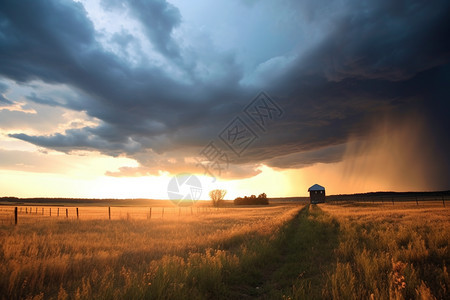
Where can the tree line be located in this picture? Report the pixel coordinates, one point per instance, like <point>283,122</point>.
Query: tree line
<point>252,200</point>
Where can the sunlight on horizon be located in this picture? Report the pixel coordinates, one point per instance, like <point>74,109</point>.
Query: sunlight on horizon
<point>286,183</point>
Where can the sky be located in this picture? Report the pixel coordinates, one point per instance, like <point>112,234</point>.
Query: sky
<point>105,99</point>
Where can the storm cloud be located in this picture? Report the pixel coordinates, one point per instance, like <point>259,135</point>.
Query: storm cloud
<point>369,60</point>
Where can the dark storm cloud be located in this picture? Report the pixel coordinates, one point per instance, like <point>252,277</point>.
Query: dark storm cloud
<point>43,100</point>
<point>35,45</point>
<point>81,139</point>
<point>379,58</point>
<point>303,159</point>
<point>392,40</point>
<point>139,101</point>
<point>3,89</point>
<point>375,58</point>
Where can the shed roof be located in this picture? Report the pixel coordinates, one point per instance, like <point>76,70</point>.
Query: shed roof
<point>316,187</point>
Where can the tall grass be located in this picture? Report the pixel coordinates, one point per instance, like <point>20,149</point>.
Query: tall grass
<point>391,253</point>
<point>134,259</point>
<point>282,252</point>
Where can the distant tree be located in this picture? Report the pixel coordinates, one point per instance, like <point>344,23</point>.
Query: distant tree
<point>217,196</point>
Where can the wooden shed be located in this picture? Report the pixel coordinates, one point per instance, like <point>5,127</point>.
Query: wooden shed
<point>316,194</point>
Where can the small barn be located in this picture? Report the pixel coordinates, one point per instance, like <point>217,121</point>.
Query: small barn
<point>316,194</point>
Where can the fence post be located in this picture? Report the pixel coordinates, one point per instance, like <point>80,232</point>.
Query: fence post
<point>67,212</point>
<point>77,213</point>
<point>109,212</point>
<point>26,210</point>
<point>15,215</point>
<point>150,213</point>
<point>57,214</point>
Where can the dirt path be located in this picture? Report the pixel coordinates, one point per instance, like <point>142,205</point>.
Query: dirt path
<point>300,257</point>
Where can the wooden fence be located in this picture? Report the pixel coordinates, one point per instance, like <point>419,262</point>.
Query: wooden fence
<point>10,215</point>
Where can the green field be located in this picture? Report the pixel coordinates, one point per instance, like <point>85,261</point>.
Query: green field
<point>285,251</point>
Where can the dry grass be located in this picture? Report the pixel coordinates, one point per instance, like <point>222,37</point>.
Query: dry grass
<point>177,257</point>
<point>347,251</point>
<point>391,252</point>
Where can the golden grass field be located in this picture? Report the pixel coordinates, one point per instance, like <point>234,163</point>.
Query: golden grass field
<point>347,251</point>
<point>392,252</point>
